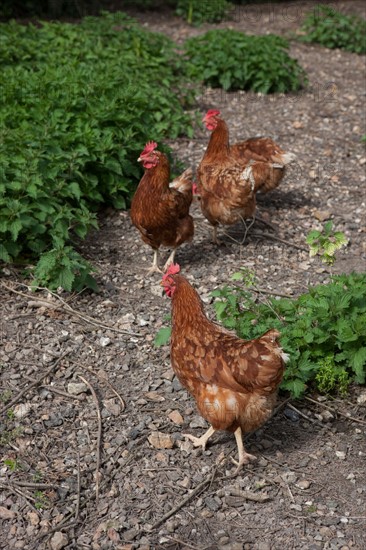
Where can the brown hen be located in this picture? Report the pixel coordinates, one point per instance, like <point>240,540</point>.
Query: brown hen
<point>233,381</point>
<point>160,207</point>
<point>256,149</point>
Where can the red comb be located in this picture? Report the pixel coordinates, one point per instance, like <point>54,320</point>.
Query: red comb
<point>212,112</point>
<point>195,188</point>
<point>150,146</point>
<point>173,269</point>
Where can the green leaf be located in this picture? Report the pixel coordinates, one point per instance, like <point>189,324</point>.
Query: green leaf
<point>162,337</point>
<point>65,278</point>
<point>4,255</point>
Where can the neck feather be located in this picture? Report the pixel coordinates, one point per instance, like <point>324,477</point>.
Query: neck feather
<point>219,140</point>
<point>187,306</point>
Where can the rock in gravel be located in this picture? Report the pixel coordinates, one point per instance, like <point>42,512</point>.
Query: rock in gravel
<point>160,440</point>
<point>5,513</point>
<point>176,417</point>
<point>59,540</point>
<point>303,484</point>
<point>22,410</point>
<point>234,546</point>
<point>361,399</point>
<point>104,341</point>
<point>75,388</point>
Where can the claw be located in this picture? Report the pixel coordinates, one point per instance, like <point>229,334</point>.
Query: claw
<point>200,441</point>
<point>244,459</point>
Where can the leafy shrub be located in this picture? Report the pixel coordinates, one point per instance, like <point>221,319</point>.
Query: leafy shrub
<point>235,61</point>
<point>77,103</point>
<point>197,11</point>
<point>323,331</point>
<point>327,26</point>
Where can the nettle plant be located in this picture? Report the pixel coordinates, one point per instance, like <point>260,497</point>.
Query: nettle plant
<point>232,60</point>
<point>332,29</point>
<point>326,242</point>
<point>77,104</point>
<point>196,12</point>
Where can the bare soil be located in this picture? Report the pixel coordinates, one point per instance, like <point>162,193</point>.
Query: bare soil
<point>80,465</point>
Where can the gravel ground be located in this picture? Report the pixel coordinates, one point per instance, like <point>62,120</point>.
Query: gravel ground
<point>92,454</point>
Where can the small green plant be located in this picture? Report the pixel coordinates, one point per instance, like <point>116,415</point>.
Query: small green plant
<point>13,464</point>
<point>5,396</point>
<point>327,26</point>
<point>7,436</point>
<point>311,509</point>
<point>232,60</point>
<point>326,242</point>
<point>196,12</point>
<point>41,500</point>
<point>330,377</point>
<point>10,414</point>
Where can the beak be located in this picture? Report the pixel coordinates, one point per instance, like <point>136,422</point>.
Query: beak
<point>139,159</point>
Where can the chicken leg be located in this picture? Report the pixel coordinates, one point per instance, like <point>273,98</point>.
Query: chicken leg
<point>200,441</point>
<point>170,260</point>
<point>244,457</point>
<point>155,267</point>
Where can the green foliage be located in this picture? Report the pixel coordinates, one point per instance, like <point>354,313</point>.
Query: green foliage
<point>327,26</point>
<point>162,337</point>
<point>326,242</point>
<point>232,60</point>
<point>13,464</point>
<point>196,12</point>
<point>323,328</point>
<point>77,104</point>
<point>41,501</point>
<point>331,377</point>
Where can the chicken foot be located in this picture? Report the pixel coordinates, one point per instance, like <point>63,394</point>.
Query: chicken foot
<point>200,441</point>
<point>155,267</point>
<point>244,457</point>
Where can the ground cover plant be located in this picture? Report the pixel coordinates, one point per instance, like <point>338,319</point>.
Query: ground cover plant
<point>332,29</point>
<point>323,330</point>
<point>233,60</point>
<point>196,12</point>
<point>77,103</point>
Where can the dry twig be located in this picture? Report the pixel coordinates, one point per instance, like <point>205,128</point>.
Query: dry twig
<point>77,508</point>
<point>305,415</point>
<point>99,436</point>
<point>181,504</point>
<point>274,238</point>
<point>66,307</point>
<point>352,418</point>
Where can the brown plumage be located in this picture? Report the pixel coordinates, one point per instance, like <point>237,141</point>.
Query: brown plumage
<point>160,208</point>
<point>233,381</point>
<point>229,176</point>
<point>256,149</point>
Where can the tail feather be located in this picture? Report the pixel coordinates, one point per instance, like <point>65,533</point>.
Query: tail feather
<point>183,182</point>
<point>284,158</point>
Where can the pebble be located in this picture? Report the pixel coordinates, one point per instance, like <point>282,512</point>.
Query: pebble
<point>22,410</point>
<point>303,484</point>
<point>59,540</point>
<point>5,513</point>
<point>76,388</point>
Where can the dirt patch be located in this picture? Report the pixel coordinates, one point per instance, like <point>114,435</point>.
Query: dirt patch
<point>307,490</point>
